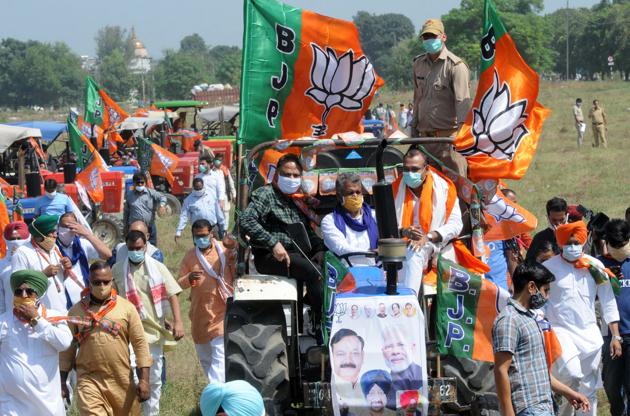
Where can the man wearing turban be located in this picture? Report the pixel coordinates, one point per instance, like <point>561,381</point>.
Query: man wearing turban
<point>15,235</point>
<point>31,338</point>
<point>571,311</point>
<point>237,398</point>
<point>42,254</point>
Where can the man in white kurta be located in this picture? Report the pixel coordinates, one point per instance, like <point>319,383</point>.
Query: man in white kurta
<point>29,352</point>
<point>42,254</point>
<point>428,214</point>
<point>348,229</point>
<point>571,312</point>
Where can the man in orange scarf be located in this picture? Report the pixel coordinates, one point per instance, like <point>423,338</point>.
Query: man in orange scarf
<point>570,309</point>
<point>427,209</point>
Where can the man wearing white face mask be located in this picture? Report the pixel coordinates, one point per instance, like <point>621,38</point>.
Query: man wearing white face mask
<point>557,214</point>
<point>53,202</point>
<point>428,214</point>
<point>15,235</point>
<point>200,204</point>
<point>580,279</point>
<point>79,247</point>
<point>614,374</point>
<point>265,221</point>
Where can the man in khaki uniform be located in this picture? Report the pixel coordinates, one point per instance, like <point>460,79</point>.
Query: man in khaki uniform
<point>441,94</point>
<point>580,126</point>
<point>598,118</point>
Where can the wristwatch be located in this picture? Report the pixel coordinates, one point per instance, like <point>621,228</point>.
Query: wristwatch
<point>34,321</point>
<point>618,338</point>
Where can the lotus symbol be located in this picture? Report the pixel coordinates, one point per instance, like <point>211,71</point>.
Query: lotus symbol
<point>498,123</point>
<point>501,211</point>
<point>339,81</point>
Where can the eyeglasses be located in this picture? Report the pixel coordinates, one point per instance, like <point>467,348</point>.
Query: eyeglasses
<point>101,283</point>
<point>29,292</point>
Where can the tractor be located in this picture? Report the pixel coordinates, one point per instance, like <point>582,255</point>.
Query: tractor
<point>267,341</point>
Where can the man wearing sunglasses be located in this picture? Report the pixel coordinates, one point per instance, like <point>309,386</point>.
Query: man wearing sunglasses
<point>141,204</point>
<point>104,325</point>
<point>31,338</point>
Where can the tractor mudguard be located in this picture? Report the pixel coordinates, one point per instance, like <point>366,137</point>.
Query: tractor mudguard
<point>265,287</point>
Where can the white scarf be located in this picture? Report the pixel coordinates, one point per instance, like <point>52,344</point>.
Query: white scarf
<point>225,290</point>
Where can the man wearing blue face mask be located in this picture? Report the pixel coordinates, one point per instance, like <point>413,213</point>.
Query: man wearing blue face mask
<point>265,221</point>
<point>200,204</point>
<point>580,279</point>
<point>441,94</point>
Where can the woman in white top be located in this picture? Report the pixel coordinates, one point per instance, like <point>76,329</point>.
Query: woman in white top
<point>351,227</point>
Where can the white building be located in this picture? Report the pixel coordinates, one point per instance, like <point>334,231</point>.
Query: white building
<point>141,61</point>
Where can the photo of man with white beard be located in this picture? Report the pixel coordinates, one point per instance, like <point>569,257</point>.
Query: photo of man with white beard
<point>397,351</point>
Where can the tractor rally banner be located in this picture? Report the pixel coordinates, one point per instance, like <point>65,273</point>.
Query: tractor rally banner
<point>303,75</point>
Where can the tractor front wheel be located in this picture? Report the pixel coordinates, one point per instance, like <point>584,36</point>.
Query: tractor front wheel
<point>109,230</point>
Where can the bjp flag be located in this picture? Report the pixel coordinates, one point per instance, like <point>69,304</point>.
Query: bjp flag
<point>113,115</point>
<point>90,178</point>
<point>500,135</point>
<point>159,162</point>
<point>507,219</point>
<point>304,74</point>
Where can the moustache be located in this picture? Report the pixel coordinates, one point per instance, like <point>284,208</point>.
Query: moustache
<point>347,365</point>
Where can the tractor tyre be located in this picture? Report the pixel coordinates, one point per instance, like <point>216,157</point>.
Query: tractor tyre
<point>173,205</point>
<point>109,229</point>
<point>256,351</point>
<point>475,385</point>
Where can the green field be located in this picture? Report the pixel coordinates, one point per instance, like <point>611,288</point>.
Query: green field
<point>595,178</point>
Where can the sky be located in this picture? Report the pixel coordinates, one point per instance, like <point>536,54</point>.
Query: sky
<point>161,24</point>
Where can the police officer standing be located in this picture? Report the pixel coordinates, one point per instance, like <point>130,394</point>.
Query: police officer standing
<point>441,94</point>
<point>598,117</point>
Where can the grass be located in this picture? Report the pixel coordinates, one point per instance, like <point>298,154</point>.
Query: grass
<point>595,178</point>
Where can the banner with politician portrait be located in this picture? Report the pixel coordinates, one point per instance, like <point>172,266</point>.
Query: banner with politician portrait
<point>378,354</point>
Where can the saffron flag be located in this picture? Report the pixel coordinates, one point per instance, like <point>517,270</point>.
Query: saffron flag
<point>4,221</point>
<point>506,219</point>
<point>500,135</point>
<point>467,306</point>
<point>89,161</point>
<point>93,102</point>
<point>113,115</point>
<point>304,74</point>
<point>158,161</point>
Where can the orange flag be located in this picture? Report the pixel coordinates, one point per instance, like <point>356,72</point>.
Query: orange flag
<point>90,178</point>
<point>86,130</point>
<point>113,114</point>
<point>4,221</point>
<point>507,219</point>
<point>500,135</point>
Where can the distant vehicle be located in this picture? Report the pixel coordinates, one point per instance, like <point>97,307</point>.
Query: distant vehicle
<point>373,126</point>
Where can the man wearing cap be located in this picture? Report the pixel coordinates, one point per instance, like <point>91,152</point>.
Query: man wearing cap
<point>15,235</point>
<point>42,254</point>
<point>142,204</point>
<point>441,94</point>
<point>570,309</point>
<point>31,338</point>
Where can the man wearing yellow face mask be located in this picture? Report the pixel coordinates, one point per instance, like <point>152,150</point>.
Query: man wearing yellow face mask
<point>42,254</point>
<point>31,338</point>
<point>351,227</point>
<point>105,326</point>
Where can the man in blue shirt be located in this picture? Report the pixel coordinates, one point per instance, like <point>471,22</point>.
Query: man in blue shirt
<point>200,204</point>
<point>615,372</point>
<point>53,202</point>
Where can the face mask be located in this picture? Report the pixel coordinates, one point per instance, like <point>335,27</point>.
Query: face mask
<point>65,235</point>
<point>51,195</point>
<point>199,192</point>
<point>537,300</point>
<point>101,292</point>
<point>203,168</point>
<point>140,188</point>
<point>202,242</point>
<point>13,245</point>
<point>432,45</point>
<point>572,252</point>
<point>19,301</point>
<point>412,179</point>
<point>353,203</point>
<point>620,254</point>
<point>289,185</point>
<point>47,244</point>
<point>217,163</point>
<point>136,256</point>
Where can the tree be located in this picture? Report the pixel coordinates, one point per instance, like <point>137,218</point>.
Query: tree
<point>396,66</point>
<point>193,44</point>
<point>115,77</point>
<point>228,64</point>
<point>177,73</point>
<point>379,33</point>
<point>35,73</point>
<point>109,39</point>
